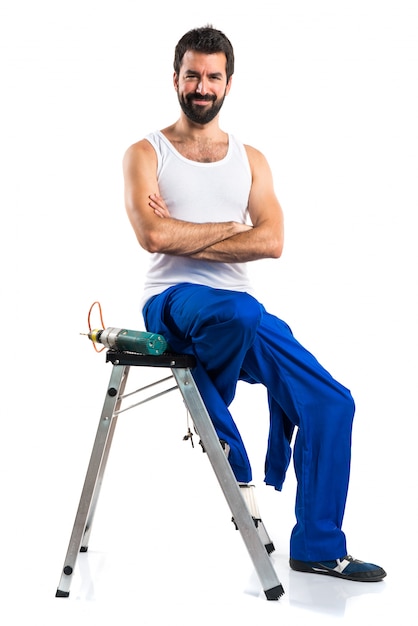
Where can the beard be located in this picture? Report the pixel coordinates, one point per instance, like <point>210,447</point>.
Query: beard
<point>199,114</point>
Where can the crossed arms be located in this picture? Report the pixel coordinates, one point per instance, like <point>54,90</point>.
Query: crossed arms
<point>227,242</point>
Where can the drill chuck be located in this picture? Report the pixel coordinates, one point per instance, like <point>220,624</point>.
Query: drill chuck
<point>129,340</point>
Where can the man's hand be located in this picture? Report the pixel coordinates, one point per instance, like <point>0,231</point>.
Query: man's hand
<point>158,205</point>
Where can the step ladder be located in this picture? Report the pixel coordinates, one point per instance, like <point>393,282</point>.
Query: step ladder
<point>247,522</point>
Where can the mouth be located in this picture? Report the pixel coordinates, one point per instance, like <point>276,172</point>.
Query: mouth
<point>200,100</point>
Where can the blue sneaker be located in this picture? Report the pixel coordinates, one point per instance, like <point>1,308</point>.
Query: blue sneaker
<point>346,567</point>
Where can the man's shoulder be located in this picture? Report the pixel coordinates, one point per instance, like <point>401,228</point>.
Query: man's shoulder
<point>142,145</point>
<point>255,156</point>
<point>140,152</point>
<point>251,151</point>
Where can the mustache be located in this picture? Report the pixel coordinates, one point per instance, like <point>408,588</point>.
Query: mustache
<point>198,96</point>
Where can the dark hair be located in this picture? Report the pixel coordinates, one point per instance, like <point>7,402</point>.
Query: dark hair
<point>207,40</point>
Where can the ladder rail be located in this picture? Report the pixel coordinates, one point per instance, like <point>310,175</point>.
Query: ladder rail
<point>272,587</point>
<point>94,477</point>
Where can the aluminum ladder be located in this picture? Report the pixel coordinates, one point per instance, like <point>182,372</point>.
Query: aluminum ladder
<point>252,531</point>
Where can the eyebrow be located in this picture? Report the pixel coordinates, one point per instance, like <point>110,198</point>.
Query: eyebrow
<point>211,74</point>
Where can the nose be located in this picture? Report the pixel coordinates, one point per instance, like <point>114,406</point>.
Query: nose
<point>202,87</point>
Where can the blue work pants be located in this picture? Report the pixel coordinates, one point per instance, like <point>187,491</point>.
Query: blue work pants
<point>234,338</point>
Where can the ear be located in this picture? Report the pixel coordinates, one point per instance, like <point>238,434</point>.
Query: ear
<point>228,86</point>
<point>176,81</point>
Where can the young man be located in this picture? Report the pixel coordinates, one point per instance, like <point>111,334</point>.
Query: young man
<point>203,205</point>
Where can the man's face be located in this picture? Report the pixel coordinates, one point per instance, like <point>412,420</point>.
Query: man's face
<point>201,85</point>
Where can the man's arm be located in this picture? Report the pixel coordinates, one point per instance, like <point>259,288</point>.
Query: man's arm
<point>264,239</point>
<point>168,235</point>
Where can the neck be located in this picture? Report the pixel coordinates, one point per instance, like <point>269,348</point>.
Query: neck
<point>206,143</point>
<point>186,130</point>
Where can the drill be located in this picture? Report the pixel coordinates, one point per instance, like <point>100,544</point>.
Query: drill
<point>129,340</point>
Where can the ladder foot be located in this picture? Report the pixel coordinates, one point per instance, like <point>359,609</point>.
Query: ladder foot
<point>62,594</point>
<point>274,593</point>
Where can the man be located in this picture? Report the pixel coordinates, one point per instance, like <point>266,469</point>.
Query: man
<point>203,205</point>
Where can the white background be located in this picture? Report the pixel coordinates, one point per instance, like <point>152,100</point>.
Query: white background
<point>328,91</point>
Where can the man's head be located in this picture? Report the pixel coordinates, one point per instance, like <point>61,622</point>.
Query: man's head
<point>203,67</point>
<point>207,40</point>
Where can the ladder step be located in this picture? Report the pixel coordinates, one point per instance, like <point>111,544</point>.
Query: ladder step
<point>247,491</point>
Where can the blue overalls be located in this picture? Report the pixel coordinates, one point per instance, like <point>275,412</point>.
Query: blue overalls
<point>234,338</point>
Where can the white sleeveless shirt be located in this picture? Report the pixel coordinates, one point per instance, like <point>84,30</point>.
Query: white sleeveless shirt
<point>200,192</point>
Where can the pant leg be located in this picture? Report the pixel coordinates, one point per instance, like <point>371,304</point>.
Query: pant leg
<point>322,410</point>
<point>217,326</point>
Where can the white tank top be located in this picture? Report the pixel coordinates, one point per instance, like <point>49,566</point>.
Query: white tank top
<point>200,192</point>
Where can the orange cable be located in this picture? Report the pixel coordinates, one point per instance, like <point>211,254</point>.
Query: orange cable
<point>101,320</point>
